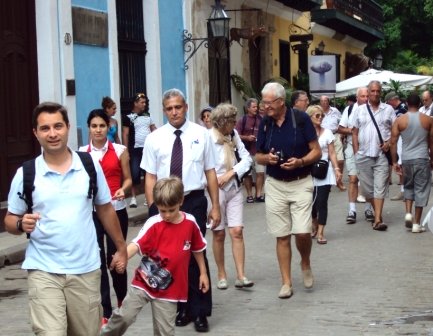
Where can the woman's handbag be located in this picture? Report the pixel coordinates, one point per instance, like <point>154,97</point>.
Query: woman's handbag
<point>319,169</point>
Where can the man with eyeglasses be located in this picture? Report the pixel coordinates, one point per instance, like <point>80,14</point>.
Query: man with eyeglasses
<point>427,101</point>
<point>287,144</point>
<point>136,126</point>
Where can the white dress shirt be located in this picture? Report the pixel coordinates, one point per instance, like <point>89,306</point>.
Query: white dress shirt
<point>198,154</point>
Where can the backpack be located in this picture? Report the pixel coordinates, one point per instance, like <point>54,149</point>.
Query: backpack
<point>29,179</point>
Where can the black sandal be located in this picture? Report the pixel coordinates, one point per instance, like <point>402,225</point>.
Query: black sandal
<point>380,227</point>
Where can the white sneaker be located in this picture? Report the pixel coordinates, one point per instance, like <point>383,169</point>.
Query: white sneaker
<point>145,202</point>
<point>408,220</point>
<point>133,202</point>
<point>416,228</point>
<point>360,199</point>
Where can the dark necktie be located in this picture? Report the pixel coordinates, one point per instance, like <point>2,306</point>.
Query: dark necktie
<point>176,156</point>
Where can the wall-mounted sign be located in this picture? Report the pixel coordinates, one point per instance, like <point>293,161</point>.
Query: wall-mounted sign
<point>90,27</point>
<point>322,73</point>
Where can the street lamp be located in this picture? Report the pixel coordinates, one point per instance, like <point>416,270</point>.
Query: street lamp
<point>319,50</point>
<point>218,26</point>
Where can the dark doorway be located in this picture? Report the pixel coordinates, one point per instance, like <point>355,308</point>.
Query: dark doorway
<point>285,60</point>
<point>132,50</point>
<point>255,63</point>
<point>18,89</point>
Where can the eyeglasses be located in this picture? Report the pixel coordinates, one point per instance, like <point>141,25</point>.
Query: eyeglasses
<point>267,103</point>
<point>304,99</point>
<point>319,115</point>
<point>139,95</point>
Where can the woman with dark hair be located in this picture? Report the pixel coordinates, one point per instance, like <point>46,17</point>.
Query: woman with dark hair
<point>109,107</point>
<point>114,159</point>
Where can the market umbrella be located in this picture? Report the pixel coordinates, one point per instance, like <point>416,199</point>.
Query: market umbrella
<point>349,86</point>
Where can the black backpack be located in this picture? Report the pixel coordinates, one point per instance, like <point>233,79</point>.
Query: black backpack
<point>29,179</point>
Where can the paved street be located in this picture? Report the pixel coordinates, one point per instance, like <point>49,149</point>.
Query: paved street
<point>366,283</point>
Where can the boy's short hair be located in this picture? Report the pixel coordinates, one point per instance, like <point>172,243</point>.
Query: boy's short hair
<point>168,192</point>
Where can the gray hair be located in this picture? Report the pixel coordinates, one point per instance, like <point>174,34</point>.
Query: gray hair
<point>249,101</point>
<point>172,93</point>
<point>358,91</point>
<point>222,113</point>
<point>374,82</point>
<point>276,88</point>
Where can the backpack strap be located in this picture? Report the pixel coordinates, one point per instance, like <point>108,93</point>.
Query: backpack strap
<point>244,122</point>
<point>89,166</point>
<point>349,111</point>
<point>28,184</point>
<point>29,172</point>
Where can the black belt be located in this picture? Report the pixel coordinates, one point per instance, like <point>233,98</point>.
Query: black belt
<point>194,193</point>
<point>291,178</point>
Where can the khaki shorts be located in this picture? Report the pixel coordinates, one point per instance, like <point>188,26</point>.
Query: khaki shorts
<point>350,161</point>
<point>258,168</point>
<point>288,206</point>
<point>65,304</point>
<point>231,206</point>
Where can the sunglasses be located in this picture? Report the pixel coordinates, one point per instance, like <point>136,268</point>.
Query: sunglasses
<point>139,95</point>
<point>319,115</point>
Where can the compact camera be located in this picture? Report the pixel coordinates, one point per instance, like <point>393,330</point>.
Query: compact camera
<point>281,158</point>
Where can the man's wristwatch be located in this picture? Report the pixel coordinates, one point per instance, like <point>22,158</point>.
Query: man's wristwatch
<point>20,225</point>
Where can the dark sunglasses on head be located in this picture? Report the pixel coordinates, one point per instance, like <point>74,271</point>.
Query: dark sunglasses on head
<point>139,95</point>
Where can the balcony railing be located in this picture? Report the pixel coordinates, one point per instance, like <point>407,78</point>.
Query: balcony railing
<point>365,11</point>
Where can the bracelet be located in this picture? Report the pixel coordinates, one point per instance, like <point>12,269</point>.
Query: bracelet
<point>302,162</point>
<point>20,225</point>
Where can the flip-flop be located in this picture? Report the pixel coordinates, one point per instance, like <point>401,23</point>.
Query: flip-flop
<point>380,227</point>
<point>322,241</point>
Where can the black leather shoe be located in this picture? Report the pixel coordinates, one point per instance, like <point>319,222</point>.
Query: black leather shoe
<point>182,318</point>
<point>200,324</point>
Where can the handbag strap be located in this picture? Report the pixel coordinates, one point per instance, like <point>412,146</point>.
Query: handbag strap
<point>375,124</point>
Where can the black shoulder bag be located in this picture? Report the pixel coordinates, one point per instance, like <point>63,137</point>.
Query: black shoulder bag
<point>388,153</point>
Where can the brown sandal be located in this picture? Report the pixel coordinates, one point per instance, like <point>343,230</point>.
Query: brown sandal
<point>380,227</point>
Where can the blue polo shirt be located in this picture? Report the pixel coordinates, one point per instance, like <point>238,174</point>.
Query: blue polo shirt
<point>64,240</point>
<point>290,141</point>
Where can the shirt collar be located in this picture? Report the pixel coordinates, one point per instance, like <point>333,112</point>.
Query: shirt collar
<point>103,149</point>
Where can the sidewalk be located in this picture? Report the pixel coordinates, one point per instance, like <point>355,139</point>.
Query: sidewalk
<point>12,247</point>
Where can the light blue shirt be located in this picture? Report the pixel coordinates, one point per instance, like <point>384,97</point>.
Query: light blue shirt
<point>64,240</point>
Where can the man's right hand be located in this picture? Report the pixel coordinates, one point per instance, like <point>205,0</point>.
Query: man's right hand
<point>29,222</point>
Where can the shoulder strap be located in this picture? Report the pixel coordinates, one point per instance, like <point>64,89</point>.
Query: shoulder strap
<point>89,166</point>
<point>375,124</point>
<point>28,184</point>
<point>244,122</point>
<point>349,111</point>
<point>298,120</point>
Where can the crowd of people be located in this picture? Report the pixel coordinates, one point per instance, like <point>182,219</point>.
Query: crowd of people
<point>72,205</point>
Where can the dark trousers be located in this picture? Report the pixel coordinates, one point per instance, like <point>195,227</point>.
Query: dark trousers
<point>320,205</point>
<point>120,281</point>
<point>199,304</point>
<point>135,156</point>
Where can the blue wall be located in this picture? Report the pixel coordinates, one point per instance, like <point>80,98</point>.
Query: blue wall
<point>92,72</point>
<point>171,32</point>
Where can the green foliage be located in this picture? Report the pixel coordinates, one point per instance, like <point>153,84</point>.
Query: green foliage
<point>406,61</point>
<point>246,90</point>
<point>301,81</point>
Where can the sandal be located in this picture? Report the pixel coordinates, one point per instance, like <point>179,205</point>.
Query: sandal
<point>380,227</point>
<point>250,199</point>
<point>322,241</point>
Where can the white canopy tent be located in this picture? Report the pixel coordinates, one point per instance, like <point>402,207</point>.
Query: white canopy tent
<point>349,86</point>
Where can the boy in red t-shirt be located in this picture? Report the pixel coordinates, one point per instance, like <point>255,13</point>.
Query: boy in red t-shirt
<point>166,242</point>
